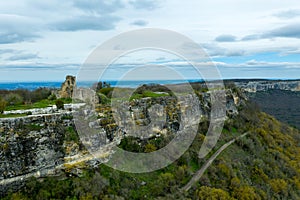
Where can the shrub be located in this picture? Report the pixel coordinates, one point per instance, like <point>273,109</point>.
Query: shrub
<point>245,193</point>
<point>149,148</point>
<point>33,127</point>
<point>103,99</point>
<point>71,135</point>
<point>14,99</point>
<point>278,185</point>
<point>2,105</point>
<point>52,97</point>
<point>40,94</point>
<point>107,91</point>
<point>212,193</point>
<point>59,104</point>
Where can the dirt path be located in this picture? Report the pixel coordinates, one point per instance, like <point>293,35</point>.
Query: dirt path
<point>201,171</point>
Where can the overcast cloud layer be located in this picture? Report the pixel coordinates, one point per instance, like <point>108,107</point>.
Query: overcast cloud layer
<point>45,40</point>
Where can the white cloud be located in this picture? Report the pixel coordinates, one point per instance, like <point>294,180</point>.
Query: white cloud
<point>289,31</point>
<point>77,23</point>
<point>226,38</point>
<point>99,6</point>
<point>23,56</point>
<point>145,4</point>
<point>15,28</point>
<point>288,14</point>
<point>63,31</point>
<point>139,22</point>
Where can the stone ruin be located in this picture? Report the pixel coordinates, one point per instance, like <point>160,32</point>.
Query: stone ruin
<point>67,87</point>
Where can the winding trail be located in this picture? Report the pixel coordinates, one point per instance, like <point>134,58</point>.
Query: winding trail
<point>201,171</point>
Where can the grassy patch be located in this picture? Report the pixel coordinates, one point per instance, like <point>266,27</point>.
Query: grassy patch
<point>40,104</point>
<point>107,91</point>
<point>33,127</point>
<point>148,94</point>
<point>12,115</point>
<point>67,117</point>
<point>71,134</point>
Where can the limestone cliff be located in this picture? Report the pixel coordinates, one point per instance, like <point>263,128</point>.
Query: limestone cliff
<point>29,144</point>
<point>33,144</point>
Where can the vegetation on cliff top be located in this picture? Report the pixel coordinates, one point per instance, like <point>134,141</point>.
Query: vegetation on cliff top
<point>22,99</point>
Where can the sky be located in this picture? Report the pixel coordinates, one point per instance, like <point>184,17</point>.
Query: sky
<point>46,40</point>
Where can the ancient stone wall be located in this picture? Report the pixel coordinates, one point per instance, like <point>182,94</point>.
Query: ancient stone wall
<point>67,87</point>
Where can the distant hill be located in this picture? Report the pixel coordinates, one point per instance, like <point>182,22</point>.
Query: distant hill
<point>264,85</point>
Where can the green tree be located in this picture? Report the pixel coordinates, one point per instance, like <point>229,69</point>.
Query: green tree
<point>278,185</point>
<point>18,196</point>
<point>246,193</point>
<point>168,181</point>
<point>43,194</point>
<point>208,193</point>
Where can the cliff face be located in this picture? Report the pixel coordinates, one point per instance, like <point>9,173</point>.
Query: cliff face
<point>34,143</point>
<point>30,143</point>
<point>254,86</point>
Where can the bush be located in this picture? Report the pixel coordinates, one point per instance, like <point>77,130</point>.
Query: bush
<point>40,94</point>
<point>212,193</point>
<point>107,91</point>
<point>245,193</point>
<point>3,104</point>
<point>52,97</point>
<point>71,135</point>
<point>149,148</point>
<point>59,104</point>
<point>103,99</point>
<point>278,185</point>
<point>14,99</point>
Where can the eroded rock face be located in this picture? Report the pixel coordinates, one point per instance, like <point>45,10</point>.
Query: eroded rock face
<point>31,143</point>
<point>68,87</point>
